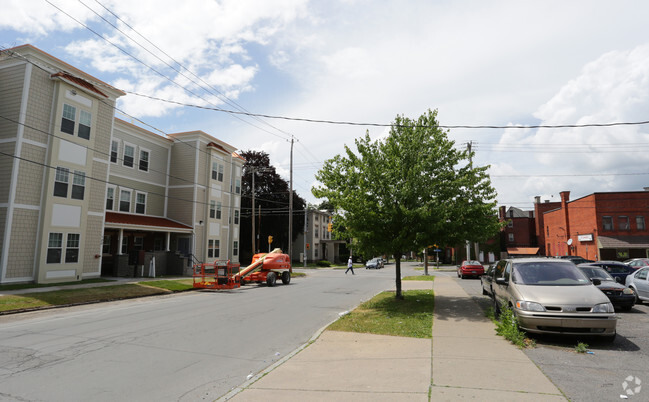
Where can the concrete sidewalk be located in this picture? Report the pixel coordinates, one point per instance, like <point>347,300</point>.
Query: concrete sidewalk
<point>464,360</point>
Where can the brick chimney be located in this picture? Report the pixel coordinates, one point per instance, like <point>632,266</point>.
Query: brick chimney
<point>501,212</point>
<point>565,197</point>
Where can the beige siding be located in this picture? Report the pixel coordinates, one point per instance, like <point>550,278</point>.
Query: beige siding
<point>96,189</point>
<point>158,156</point>
<point>3,222</point>
<point>183,163</point>
<point>154,199</point>
<point>11,88</point>
<point>181,205</point>
<point>102,131</point>
<point>30,175</point>
<point>23,244</point>
<point>91,245</point>
<point>204,166</point>
<point>6,167</point>
<point>39,106</point>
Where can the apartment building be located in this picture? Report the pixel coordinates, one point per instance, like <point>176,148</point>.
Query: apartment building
<point>84,194</point>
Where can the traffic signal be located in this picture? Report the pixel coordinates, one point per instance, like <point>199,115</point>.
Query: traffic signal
<point>270,239</point>
<point>330,227</point>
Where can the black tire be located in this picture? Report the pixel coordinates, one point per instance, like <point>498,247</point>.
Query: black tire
<point>484,292</point>
<point>242,281</point>
<point>496,306</point>
<point>286,277</point>
<point>271,278</point>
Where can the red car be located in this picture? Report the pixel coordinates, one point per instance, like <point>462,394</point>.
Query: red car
<point>470,268</point>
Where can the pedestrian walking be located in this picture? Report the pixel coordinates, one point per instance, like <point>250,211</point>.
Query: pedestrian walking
<point>350,265</point>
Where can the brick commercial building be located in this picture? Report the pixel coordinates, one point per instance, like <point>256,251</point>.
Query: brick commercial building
<point>83,193</point>
<point>599,226</point>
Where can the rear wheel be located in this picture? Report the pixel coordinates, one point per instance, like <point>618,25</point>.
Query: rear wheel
<point>496,306</point>
<point>286,277</point>
<point>271,278</point>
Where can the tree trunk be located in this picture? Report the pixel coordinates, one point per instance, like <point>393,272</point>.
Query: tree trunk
<point>397,262</point>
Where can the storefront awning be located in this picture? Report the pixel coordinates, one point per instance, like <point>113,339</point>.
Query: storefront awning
<point>522,250</point>
<point>623,241</point>
<point>148,223</point>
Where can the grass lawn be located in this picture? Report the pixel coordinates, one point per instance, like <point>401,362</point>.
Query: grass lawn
<point>385,315</point>
<point>419,278</point>
<point>91,295</point>
<point>32,285</point>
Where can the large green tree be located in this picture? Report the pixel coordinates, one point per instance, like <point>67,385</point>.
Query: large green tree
<point>410,190</point>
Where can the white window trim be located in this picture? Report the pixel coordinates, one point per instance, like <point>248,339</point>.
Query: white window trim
<point>135,154</point>
<point>79,256</point>
<point>119,146</point>
<point>115,193</point>
<point>148,151</point>
<point>136,203</point>
<point>130,201</point>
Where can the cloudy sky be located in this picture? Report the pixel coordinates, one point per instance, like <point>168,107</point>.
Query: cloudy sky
<point>497,63</point>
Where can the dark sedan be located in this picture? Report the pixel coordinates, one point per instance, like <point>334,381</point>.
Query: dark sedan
<point>487,280</point>
<point>618,270</point>
<point>619,295</point>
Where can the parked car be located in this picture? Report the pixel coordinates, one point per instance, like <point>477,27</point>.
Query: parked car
<point>618,270</point>
<point>552,295</point>
<point>575,259</point>
<point>470,268</point>
<point>637,262</point>
<point>487,280</point>
<point>621,296</point>
<point>638,282</point>
<point>373,264</point>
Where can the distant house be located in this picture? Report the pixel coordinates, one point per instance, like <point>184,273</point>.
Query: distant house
<point>518,236</point>
<point>317,241</point>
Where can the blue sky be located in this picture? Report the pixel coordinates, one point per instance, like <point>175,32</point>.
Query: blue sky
<point>479,63</point>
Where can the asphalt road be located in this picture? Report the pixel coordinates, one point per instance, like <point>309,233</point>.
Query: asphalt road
<point>185,347</point>
<point>596,376</point>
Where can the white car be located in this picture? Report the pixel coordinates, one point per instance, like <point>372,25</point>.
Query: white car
<point>638,282</point>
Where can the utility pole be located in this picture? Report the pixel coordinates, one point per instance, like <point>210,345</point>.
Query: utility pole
<point>290,208</point>
<point>252,216</point>
<point>306,227</point>
<point>468,242</point>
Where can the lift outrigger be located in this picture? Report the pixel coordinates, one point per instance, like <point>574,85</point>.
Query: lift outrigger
<point>265,267</point>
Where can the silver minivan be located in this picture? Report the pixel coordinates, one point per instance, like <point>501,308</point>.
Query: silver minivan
<point>553,296</point>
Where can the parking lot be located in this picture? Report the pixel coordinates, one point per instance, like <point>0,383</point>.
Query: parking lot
<point>606,372</point>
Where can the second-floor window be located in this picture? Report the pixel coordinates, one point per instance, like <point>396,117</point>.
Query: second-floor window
<point>78,185</point>
<point>217,171</point>
<point>114,151</point>
<point>69,119</point>
<point>510,236</point>
<point>212,209</point>
<point>110,198</point>
<point>129,155</point>
<point>144,160</point>
<point>623,222</point>
<point>510,223</point>
<point>639,222</point>
<point>236,217</point>
<point>125,201</point>
<point>237,186</point>
<point>218,210</point>
<point>607,223</point>
<point>61,182</point>
<point>140,203</point>
<point>213,249</point>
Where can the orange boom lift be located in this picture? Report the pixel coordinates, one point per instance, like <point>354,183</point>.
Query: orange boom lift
<point>265,267</point>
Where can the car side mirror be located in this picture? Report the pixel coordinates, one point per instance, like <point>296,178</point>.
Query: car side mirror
<point>597,281</point>
<point>501,281</point>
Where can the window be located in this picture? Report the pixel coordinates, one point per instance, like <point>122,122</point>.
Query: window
<point>85,120</point>
<point>236,217</point>
<point>212,209</point>
<point>220,174</point>
<point>237,186</point>
<point>61,182</point>
<point>125,201</point>
<point>215,170</point>
<point>138,243</point>
<point>140,203</point>
<point>623,222</point>
<point>639,222</point>
<point>124,245</point>
<point>213,249</point>
<point>72,248</point>
<point>54,248</point>
<point>218,210</point>
<point>110,198</point>
<point>235,248</point>
<point>129,155</point>
<point>114,151</point>
<point>510,223</point>
<point>316,230</point>
<point>144,160</point>
<point>315,252</point>
<point>78,185</point>
<point>607,223</point>
<point>105,244</point>
<point>67,121</point>
<point>510,236</point>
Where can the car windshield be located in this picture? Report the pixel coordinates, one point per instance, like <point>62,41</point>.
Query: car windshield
<point>543,273</point>
<point>599,273</point>
<point>472,263</point>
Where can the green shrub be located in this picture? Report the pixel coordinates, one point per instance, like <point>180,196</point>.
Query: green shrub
<point>507,327</point>
<point>323,263</point>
